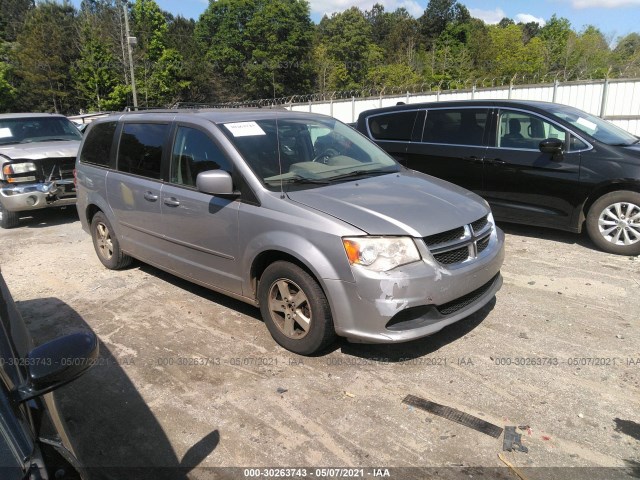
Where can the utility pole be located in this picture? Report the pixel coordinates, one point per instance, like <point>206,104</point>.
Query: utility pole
<point>130,41</point>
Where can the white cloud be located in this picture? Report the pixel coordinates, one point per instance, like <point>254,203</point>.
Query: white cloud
<point>329,6</point>
<point>490,17</point>
<point>527,18</point>
<point>579,4</point>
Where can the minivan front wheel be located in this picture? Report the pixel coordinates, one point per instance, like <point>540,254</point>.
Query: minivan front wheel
<point>295,309</point>
<point>106,244</point>
<point>613,222</point>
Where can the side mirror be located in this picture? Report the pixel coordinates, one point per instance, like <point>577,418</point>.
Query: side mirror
<point>56,363</point>
<point>215,182</point>
<point>552,146</point>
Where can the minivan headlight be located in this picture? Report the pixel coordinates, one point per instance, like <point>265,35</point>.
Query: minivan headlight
<point>380,254</point>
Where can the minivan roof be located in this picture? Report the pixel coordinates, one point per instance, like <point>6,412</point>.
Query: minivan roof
<point>214,115</point>
<point>6,116</point>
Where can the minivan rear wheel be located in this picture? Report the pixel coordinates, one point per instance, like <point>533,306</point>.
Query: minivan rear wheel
<point>295,309</point>
<point>8,219</point>
<point>106,244</point>
<point>613,222</point>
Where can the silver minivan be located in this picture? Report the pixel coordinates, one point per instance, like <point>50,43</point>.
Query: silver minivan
<point>296,213</point>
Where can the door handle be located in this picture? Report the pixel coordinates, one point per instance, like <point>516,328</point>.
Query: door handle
<point>152,197</point>
<point>171,202</point>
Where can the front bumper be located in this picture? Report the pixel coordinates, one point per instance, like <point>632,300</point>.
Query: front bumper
<point>415,300</point>
<point>35,196</point>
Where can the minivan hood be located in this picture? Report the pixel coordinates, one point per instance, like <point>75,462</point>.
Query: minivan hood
<point>40,150</point>
<point>404,203</point>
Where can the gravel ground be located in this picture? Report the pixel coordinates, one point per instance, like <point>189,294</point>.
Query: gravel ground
<point>190,379</point>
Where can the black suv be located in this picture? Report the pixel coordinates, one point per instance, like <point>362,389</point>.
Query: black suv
<point>536,163</point>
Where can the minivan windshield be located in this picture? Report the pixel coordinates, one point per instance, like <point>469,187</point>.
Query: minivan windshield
<point>306,151</point>
<point>595,127</point>
<point>37,129</point>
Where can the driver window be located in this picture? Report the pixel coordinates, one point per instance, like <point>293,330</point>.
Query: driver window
<point>525,131</point>
<point>194,152</point>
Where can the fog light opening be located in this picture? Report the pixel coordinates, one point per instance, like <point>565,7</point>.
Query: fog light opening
<point>32,200</point>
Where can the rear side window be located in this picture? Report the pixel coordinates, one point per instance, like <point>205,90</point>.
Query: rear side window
<point>97,145</point>
<point>392,126</point>
<point>463,126</point>
<point>140,149</point>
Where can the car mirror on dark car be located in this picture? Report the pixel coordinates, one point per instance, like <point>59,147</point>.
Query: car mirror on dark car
<point>552,146</point>
<point>215,182</point>
<point>56,363</point>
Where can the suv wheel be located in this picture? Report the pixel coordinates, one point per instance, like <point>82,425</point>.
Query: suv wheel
<point>613,222</point>
<point>295,309</point>
<point>8,219</point>
<point>106,244</point>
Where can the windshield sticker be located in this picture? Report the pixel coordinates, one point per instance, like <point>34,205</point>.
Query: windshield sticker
<point>244,129</point>
<point>586,123</point>
<point>5,133</point>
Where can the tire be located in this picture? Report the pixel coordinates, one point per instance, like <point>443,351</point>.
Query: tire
<point>106,244</point>
<point>613,222</point>
<point>8,219</point>
<point>309,329</point>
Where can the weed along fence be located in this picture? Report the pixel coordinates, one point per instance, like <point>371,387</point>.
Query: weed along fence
<point>615,100</point>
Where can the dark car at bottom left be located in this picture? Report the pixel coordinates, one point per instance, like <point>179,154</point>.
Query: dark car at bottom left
<point>34,444</point>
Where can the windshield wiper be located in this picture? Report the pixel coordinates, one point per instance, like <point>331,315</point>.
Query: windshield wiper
<point>298,179</point>
<point>360,173</point>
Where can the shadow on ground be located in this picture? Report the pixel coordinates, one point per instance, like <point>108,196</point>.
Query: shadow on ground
<point>49,217</point>
<point>114,432</point>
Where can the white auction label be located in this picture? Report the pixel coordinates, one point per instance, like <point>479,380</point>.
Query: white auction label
<point>244,129</point>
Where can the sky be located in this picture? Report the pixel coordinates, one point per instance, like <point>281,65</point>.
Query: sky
<point>615,18</point>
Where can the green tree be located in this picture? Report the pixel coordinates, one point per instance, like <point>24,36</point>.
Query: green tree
<point>439,14</point>
<point>555,35</point>
<point>627,55</point>
<point>12,16</point>
<point>347,38</point>
<point>44,55</point>
<point>511,56</point>
<point>7,90</point>
<point>261,48</point>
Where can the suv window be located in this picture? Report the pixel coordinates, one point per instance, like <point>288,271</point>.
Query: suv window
<point>464,126</point>
<point>193,153</point>
<point>140,149</point>
<point>392,126</point>
<point>97,146</point>
<point>523,130</point>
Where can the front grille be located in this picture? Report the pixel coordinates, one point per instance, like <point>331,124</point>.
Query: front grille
<point>466,300</point>
<point>453,256</point>
<point>444,237</point>
<point>49,169</point>
<point>460,244</point>
<point>483,243</point>
<point>479,225</point>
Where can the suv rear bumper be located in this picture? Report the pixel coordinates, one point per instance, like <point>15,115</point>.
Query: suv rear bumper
<point>35,196</point>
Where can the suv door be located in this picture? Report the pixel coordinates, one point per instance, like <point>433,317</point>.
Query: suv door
<point>133,189</point>
<point>451,146</point>
<point>201,230</point>
<point>521,183</point>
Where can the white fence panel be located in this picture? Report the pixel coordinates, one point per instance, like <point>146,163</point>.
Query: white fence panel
<point>623,99</point>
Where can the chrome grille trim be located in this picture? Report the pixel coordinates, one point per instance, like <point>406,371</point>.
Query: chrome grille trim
<point>461,244</point>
